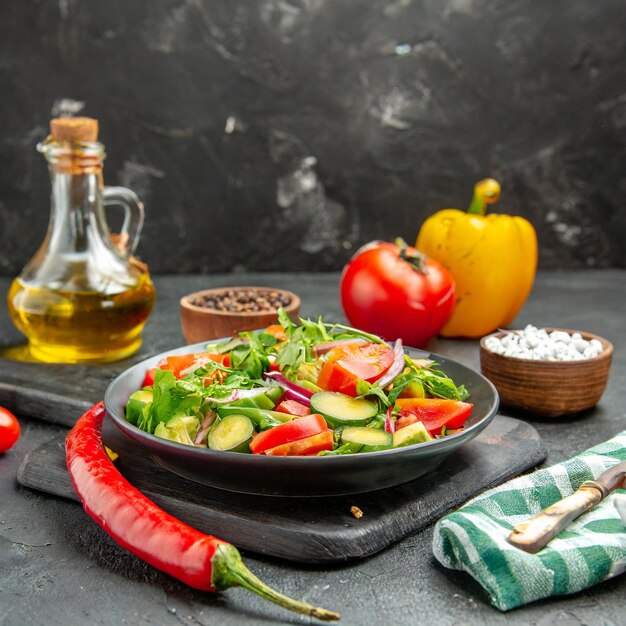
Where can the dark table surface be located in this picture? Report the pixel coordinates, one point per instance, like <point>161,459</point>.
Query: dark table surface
<point>58,567</point>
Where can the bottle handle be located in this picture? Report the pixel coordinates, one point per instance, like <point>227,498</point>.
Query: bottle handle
<point>128,238</point>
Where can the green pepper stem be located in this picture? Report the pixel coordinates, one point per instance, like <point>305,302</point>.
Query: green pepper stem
<point>230,571</point>
<point>486,192</point>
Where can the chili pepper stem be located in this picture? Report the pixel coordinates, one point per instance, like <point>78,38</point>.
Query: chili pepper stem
<point>230,571</point>
<point>486,192</point>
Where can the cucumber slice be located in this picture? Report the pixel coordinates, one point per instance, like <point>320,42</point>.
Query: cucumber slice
<point>182,429</point>
<point>415,389</point>
<point>232,434</point>
<point>411,434</point>
<point>341,410</point>
<point>371,439</point>
<point>136,403</point>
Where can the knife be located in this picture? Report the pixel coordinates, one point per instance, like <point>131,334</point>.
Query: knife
<point>535,533</point>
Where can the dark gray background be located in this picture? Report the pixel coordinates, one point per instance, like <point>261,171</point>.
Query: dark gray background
<point>282,134</point>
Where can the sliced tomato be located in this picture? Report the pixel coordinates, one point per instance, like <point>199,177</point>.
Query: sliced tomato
<point>299,428</point>
<point>434,413</point>
<point>148,380</point>
<point>345,365</point>
<point>304,447</point>
<point>293,407</point>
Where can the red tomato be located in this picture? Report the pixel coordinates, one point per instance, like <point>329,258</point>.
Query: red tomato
<point>345,365</point>
<point>286,433</point>
<point>304,447</point>
<point>393,291</point>
<point>148,380</point>
<point>434,413</point>
<point>9,430</point>
<point>293,407</point>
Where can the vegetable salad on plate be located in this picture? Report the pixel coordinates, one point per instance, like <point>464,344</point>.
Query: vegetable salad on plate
<point>299,390</point>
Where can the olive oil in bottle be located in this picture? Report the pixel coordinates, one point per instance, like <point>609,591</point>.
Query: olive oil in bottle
<point>81,326</point>
<point>81,298</point>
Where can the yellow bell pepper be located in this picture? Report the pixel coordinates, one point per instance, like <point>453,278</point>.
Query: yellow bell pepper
<point>493,259</point>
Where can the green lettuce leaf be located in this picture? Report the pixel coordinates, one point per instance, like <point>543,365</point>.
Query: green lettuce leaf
<point>169,400</point>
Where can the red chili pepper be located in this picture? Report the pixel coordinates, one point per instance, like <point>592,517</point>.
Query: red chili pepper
<point>136,523</point>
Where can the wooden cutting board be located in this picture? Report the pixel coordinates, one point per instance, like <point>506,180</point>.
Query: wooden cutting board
<point>310,530</point>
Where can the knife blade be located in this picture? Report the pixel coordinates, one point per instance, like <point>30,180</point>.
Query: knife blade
<point>535,533</point>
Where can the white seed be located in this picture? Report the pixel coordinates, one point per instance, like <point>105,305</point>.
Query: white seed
<point>532,341</point>
<point>560,336</point>
<point>581,345</point>
<point>597,345</point>
<point>560,347</point>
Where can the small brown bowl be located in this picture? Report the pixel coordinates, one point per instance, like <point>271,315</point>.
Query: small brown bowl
<point>201,323</point>
<point>548,388</point>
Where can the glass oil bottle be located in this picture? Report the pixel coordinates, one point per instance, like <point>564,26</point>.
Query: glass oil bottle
<point>83,297</point>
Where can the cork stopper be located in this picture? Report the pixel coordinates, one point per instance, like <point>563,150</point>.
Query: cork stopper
<point>74,129</point>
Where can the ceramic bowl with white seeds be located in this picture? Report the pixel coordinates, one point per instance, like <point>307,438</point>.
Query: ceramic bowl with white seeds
<point>541,376</point>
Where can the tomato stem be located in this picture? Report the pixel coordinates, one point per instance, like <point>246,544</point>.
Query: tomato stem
<point>416,260</point>
<point>229,571</point>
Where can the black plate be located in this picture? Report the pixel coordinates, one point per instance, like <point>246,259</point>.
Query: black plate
<point>303,476</point>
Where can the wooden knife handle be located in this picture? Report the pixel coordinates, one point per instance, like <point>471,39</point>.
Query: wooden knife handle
<point>534,534</point>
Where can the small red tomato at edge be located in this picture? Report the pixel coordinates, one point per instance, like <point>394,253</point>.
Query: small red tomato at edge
<point>9,430</point>
<point>394,291</point>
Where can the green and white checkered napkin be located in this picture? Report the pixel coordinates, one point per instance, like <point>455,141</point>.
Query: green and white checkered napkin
<point>588,551</point>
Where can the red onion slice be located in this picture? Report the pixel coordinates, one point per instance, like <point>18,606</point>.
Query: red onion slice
<point>204,427</point>
<point>283,381</point>
<point>290,394</point>
<point>396,367</point>
<point>390,422</point>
